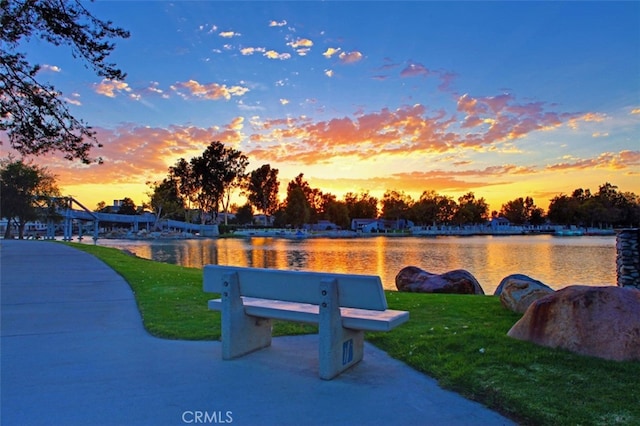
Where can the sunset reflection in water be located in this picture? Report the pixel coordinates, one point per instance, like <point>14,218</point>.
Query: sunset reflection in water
<point>556,261</point>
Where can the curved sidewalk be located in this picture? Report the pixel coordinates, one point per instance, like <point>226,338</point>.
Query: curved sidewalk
<point>74,352</point>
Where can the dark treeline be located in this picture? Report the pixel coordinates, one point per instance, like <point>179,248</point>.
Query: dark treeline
<point>198,189</point>
<point>204,185</point>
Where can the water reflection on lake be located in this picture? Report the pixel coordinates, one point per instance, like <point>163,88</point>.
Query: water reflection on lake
<point>556,261</point>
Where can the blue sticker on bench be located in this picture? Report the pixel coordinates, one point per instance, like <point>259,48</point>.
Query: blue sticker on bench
<point>347,352</point>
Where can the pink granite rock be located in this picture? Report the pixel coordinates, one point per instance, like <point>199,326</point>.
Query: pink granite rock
<point>416,280</point>
<point>597,321</point>
<point>518,291</point>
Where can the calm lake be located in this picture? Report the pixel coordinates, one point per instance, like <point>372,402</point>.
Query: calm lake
<point>556,261</point>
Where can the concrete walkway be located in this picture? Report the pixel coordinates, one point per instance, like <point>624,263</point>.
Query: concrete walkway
<point>74,352</point>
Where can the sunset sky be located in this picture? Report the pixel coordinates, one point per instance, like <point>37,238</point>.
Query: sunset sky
<point>505,99</point>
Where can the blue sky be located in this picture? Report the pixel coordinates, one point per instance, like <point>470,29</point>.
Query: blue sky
<point>505,99</point>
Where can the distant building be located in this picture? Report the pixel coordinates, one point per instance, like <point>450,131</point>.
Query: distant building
<point>370,225</point>
<point>499,222</point>
<point>263,220</point>
<point>323,225</point>
<point>367,225</point>
<point>221,216</point>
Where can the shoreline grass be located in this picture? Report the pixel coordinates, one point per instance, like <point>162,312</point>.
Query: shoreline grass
<point>459,340</point>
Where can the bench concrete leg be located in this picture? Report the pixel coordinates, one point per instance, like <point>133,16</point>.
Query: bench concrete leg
<point>241,333</point>
<point>340,348</point>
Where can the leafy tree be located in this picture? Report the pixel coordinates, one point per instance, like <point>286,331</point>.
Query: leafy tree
<point>102,207</point>
<point>127,206</point>
<point>280,216</point>
<point>262,188</point>
<point>297,210</point>
<point>314,200</point>
<point>521,211</point>
<point>470,210</point>
<point>361,206</point>
<point>447,208</point>
<point>34,114</point>
<point>233,176</point>
<point>564,210</point>
<point>631,211</point>
<point>244,214</point>
<point>311,195</point>
<point>515,211</point>
<point>607,207</point>
<point>536,217</point>
<point>337,212</point>
<point>22,185</point>
<point>396,205</point>
<point>164,200</point>
<point>300,182</point>
<point>425,210</point>
<point>214,175</point>
<point>187,187</point>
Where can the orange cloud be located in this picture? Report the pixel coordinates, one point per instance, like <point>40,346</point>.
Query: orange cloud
<point>133,153</point>
<point>110,87</point>
<point>246,51</point>
<point>499,119</point>
<point>272,54</point>
<point>588,117</point>
<point>302,46</point>
<point>606,160</point>
<point>350,57</point>
<point>330,52</point>
<point>490,122</point>
<point>211,91</point>
<point>301,42</point>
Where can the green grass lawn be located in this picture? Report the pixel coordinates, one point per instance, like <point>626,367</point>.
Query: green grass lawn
<point>460,340</point>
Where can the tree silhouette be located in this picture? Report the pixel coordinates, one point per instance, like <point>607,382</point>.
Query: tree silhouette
<point>21,185</point>
<point>262,188</point>
<point>34,114</point>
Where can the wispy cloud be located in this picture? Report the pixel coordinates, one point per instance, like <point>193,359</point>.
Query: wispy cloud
<point>134,153</point>
<point>350,57</point>
<point>229,34</point>
<point>331,51</point>
<point>272,54</point>
<point>415,70</point>
<point>489,123</point>
<point>74,99</point>
<point>246,51</point>
<point>110,88</point>
<point>211,91</point>
<point>302,46</point>
<point>607,160</point>
<point>50,68</point>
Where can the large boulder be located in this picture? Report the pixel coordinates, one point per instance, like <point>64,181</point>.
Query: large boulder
<point>416,280</point>
<point>518,291</point>
<point>598,321</point>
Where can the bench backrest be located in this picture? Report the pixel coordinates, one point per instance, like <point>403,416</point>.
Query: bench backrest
<point>354,291</point>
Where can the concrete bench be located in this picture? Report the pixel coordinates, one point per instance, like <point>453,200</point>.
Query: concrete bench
<point>343,306</point>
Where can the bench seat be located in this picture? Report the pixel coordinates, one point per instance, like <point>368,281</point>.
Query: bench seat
<point>357,319</point>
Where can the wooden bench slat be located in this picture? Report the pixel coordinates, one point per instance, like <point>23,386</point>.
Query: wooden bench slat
<point>354,318</point>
